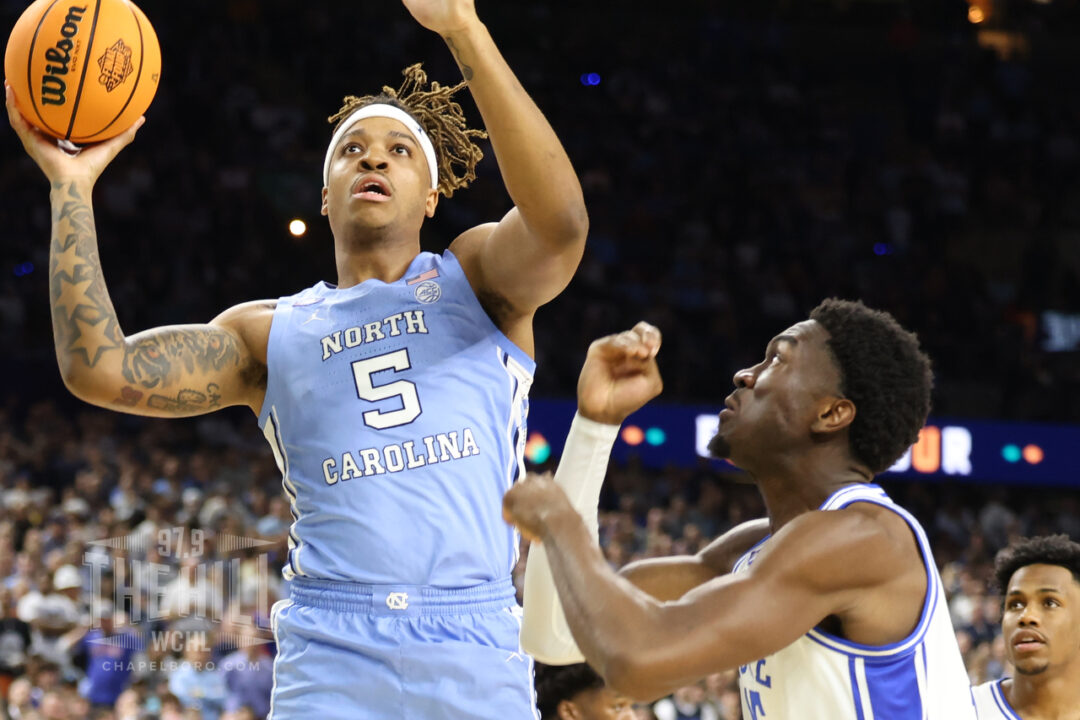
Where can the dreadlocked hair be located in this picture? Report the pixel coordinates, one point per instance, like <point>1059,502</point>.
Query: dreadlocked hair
<point>442,118</point>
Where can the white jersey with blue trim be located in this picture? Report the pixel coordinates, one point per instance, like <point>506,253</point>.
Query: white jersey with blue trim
<point>824,677</point>
<point>396,412</point>
<point>990,702</point>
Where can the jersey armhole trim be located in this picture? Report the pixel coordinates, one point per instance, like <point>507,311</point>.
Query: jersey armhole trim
<point>1002,702</point>
<point>745,557</point>
<point>278,322</point>
<point>908,644</point>
<point>504,342</point>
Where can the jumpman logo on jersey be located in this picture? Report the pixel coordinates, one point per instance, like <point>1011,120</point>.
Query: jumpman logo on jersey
<point>315,316</point>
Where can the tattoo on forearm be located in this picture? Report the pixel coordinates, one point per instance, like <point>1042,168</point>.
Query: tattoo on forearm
<point>149,361</point>
<point>85,327</point>
<point>84,321</point>
<point>466,71</point>
<point>188,400</point>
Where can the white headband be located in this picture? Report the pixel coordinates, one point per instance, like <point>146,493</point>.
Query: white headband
<point>386,111</point>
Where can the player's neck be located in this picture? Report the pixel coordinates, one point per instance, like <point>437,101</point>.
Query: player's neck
<point>791,489</point>
<point>380,256</point>
<point>1045,697</point>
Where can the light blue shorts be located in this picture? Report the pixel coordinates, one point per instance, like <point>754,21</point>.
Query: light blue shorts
<point>353,651</point>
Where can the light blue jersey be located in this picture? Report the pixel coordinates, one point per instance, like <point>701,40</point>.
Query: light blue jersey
<point>396,412</point>
<point>824,677</point>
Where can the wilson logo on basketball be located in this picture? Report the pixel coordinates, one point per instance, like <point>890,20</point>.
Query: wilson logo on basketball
<point>115,65</point>
<point>53,87</point>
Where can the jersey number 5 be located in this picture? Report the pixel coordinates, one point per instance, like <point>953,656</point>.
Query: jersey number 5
<point>404,389</point>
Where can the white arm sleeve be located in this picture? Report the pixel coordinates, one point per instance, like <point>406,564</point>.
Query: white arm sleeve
<point>544,632</point>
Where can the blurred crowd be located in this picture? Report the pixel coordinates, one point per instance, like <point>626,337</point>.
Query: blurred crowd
<point>740,161</point>
<point>138,566</point>
<point>139,560</point>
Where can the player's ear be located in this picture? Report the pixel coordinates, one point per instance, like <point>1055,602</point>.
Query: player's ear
<point>834,413</point>
<point>323,210</point>
<point>567,710</point>
<point>431,203</point>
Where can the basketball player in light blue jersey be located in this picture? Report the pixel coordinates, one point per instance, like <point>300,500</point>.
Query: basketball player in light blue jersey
<point>838,613</point>
<point>394,400</point>
<point>1040,582</point>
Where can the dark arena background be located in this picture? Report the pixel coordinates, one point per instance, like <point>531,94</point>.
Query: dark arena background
<point>741,162</point>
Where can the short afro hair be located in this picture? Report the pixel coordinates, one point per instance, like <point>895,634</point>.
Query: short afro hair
<point>555,683</point>
<point>884,372</point>
<point>1042,550</point>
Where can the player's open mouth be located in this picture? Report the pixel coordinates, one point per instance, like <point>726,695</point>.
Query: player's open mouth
<point>1027,641</point>
<point>373,188</point>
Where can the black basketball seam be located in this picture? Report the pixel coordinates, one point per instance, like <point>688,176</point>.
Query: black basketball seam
<point>82,79</point>
<point>138,74</point>
<point>30,66</point>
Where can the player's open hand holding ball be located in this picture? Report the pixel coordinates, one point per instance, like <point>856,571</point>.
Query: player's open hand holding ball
<point>81,74</point>
<point>58,164</point>
<point>620,374</point>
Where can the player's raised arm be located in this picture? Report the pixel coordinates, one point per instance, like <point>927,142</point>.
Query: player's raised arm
<point>619,376</point>
<point>531,254</point>
<point>166,372</point>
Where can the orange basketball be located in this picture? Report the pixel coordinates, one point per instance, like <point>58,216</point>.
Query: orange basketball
<point>83,70</point>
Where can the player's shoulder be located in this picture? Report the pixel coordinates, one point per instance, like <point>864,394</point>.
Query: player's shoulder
<point>468,248</point>
<point>515,321</point>
<point>990,702</point>
<point>247,313</point>
<point>894,531</point>
<point>473,239</point>
<point>251,322</point>
<point>858,524</point>
<point>985,690</point>
<point>834,546</point>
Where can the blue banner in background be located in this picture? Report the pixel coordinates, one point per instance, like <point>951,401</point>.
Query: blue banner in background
<point>948,449</point>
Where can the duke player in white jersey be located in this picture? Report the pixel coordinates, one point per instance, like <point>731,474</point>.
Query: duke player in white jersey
<point>1040,581</point>
<point>838,612</point>
<point>394,400</point>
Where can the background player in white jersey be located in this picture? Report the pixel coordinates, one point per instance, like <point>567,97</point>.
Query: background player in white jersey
<point>1040,580</point>
<point>394,400</point>
<point>839,614</point>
